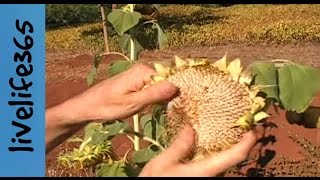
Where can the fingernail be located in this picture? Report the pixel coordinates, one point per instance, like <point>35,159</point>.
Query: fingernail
<point>172,87</point>
<point>169,89</point>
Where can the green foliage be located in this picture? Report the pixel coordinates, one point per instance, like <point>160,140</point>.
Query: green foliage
<point>117,169</point>
<point>293,86</point>
<point>208,26</point>
<point>153,124</point>
<point>122,21</point>
<point>162,38</point>
<point>116,128</point>
<point>129,25</point>
<point>266,74</point>
<point>126,24</point>
<point>113,69</point>
<point>142,156</point>
<point>92,76</point>
<point>124,42</point>
<point>83,37</point>
<point>117,67</point>
<point>59,15</point>
<point>94,70</point>
<point>197,25</point>
<point>91,129</point>
<point>298,85</point>
<point>87,156</point>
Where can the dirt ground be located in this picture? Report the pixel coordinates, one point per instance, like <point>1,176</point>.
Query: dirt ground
<point>281,147</point>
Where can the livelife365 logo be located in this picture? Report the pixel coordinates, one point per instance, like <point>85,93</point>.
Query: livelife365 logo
<point>22,84</point>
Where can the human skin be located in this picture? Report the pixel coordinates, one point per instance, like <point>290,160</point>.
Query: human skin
<point>124,95</point>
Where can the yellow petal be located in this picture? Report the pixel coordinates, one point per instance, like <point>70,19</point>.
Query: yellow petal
<point>260,116</point>
<point>260,101</point>
<point>245,121</point>
<point>254,90</point>
<point>193,62</point>
<point>180,62</point>
<point>222,63</point>
<point>234,68</point>
<point>162,70</point>
<point>244,79</point>
<point>258,104</point>
<point>202,62</point>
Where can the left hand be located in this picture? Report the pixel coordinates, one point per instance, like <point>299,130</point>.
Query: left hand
<point>169,162</point>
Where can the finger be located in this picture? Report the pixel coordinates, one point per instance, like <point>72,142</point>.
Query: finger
<point>219,163</point>
<point>158,93</point>
<point>180,147</point>
<point>143,72</point>
<point>137,77</point>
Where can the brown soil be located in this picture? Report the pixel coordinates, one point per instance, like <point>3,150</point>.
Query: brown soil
<point>66,75</point>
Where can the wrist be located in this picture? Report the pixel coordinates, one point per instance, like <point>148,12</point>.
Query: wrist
<point>75,111</point>
<point>61,123</point>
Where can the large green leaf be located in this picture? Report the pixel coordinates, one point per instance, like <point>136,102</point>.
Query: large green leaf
<point>92,76</point>
<point>142,156</point>
<point>145,119</point>
<point>125,44</point>
<point>91,129</point>
<point>266,74</point>
<point>94,70</point>
<point>132,171</point>
<point>115,128</point>
<point>96,60</point>
<point>99,138</point>
<point>122,21</point>
<point>159,113</point>
<point>298,85</point>
<point>162,38</point>
<point>117,67</point>
<point>151,127</point>
<point>115,169</point>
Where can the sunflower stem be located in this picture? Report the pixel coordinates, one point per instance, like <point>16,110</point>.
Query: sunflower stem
<point>136,129</point>
<point>153,142</point>
<point>136,116</point>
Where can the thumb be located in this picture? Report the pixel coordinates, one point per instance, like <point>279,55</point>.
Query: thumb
<point>180,147</point>
<point>156,93</point>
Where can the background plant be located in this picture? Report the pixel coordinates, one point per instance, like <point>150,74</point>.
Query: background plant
<point>201,25</point>
<point>293,88</point>
<point>129,25</point>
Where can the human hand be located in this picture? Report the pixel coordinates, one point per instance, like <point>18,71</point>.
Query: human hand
<point>122,95</point>
<point>168,163</point>
<point>116,98</point>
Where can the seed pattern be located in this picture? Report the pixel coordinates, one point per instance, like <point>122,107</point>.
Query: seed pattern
<point>211,103</point>
<point>213,100</point>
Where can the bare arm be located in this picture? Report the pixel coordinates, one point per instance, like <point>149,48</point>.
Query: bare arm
<point>116,98</point>
<point>62,121</point>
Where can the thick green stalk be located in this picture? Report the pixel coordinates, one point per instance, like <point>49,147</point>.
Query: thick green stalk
<point>136,116</point>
